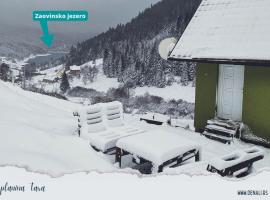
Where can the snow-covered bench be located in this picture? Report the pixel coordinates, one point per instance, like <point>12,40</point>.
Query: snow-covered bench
<point>102,124</point>
<point>157,149</point>
<point>155,118</point>
<point>236,163</point>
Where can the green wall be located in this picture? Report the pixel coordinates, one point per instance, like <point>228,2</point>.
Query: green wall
<point>256,105</point>
<point>206,85</point>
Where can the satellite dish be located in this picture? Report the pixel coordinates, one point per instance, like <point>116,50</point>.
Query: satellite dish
<point>166,46</point>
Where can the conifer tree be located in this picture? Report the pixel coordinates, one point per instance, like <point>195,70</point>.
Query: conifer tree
<point>64,85</point>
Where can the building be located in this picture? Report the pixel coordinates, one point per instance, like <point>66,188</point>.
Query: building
<point>51,79</point>
<point>230,41</point>
<point>75,70</point>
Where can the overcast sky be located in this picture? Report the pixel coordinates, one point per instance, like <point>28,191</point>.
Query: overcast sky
<point>102,13</point>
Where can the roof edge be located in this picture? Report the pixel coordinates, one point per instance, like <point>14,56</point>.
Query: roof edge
<point>224,61</point>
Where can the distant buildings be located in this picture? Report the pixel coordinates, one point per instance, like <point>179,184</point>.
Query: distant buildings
<point>75,70</point>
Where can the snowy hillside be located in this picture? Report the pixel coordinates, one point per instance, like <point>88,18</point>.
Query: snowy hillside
<point>37,132</point>
<point>49,75</point>
<point>28,41</point>
<point>130,50</point>
<point>101,83</point>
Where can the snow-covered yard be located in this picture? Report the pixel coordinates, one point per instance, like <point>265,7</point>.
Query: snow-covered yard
<point>39,133</point>
<point>175,91</point>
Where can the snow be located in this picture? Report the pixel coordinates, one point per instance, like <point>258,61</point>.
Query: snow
<point>209,148</point>
<point>49,74</point>
<point>157,146</point>
<point>102,82</point>
<point>30,57</point>
<point>156,117</point>
<point>53,70</point>
<point>107,140</point>
<point>179,123</point>
<point>175,91</point>
<point>37,132</point>
<point>226,29</point>
<point>75,68</point>
<point>222,129</point>
<point>14,65</point>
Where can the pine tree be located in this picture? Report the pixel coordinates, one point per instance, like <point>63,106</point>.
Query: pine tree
<point>133,46</point>
<point>4,72</point>
<point>64,86</point>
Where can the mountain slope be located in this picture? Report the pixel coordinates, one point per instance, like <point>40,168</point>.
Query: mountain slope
<point>28,41</point>
<point>130,51</point>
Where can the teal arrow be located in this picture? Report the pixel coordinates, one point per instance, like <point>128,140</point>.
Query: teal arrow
<point>47,38</point>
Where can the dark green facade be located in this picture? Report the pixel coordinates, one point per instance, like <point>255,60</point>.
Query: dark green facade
<point>256,97</point>
<point>206,87</point>
<point>256,104</point>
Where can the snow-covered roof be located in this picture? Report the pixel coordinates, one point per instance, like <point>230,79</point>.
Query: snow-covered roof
<point>75,68</point>
<point>236,30</point>
<point>50,78</point>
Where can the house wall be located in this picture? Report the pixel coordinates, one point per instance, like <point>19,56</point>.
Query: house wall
<point>256,103</point>
<point>256,97</point>
<point>206,85</point>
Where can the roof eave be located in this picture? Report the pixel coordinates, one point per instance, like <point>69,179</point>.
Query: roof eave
<point>253,62</point>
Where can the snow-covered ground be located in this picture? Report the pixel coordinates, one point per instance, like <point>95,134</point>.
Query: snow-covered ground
<point>38,132</point>
<point>175,91</point>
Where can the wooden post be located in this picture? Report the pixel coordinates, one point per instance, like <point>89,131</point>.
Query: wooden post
<point>197,156</point>
<point>160,168</point>
<point>118,156</point>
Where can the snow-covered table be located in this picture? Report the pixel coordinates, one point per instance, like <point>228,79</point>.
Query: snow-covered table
<point>158,147</point>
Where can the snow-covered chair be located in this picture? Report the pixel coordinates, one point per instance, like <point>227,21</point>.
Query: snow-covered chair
<point>114,114</point>
<point>117,129</point>
<point>237,163</point>
<point>157,149</point>
<point>102,124</point>
<point>91,120</point>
